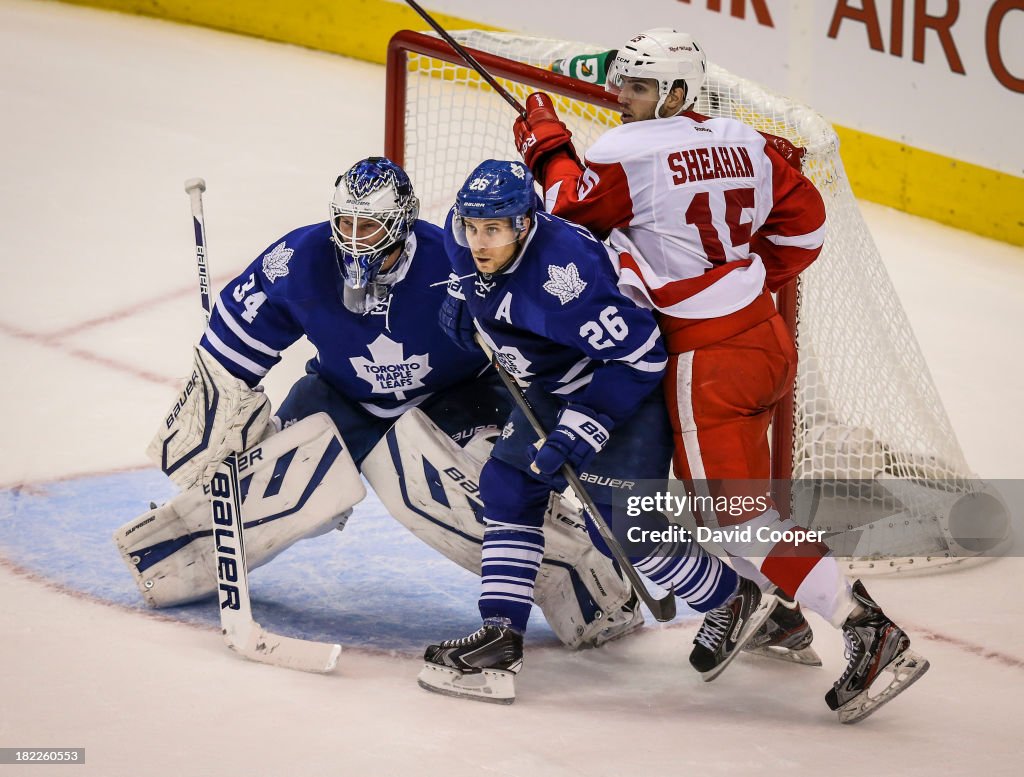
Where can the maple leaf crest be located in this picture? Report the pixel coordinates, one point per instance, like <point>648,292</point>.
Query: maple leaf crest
<point>508,430</point>
<point>514,362</point>
<point>388,370</point>
<point>565,282</point>
<point>275,262</point>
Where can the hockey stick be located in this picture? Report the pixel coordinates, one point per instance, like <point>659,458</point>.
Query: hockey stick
<point>241,633</point>
<point>663,609</point>
<point>468,58</point>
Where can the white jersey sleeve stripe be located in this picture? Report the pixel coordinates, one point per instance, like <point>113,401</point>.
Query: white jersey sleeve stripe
<point>650,366</point>
<point>640,352</point>
<point>811,240</point>
<point>569,388</point>
<point>240,333</point>
<point>229,353</point>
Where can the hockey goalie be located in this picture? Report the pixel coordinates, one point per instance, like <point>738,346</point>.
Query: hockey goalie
<point>388,396</point>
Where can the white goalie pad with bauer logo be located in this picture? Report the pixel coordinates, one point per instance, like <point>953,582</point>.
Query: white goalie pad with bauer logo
<point>296,484</point>
<point>430,485</point>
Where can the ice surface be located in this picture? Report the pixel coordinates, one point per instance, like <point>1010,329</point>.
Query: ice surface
<point>105,116</point>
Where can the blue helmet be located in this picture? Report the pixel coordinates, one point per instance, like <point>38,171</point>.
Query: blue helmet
<point>497,190</point>
<point>375,204</point>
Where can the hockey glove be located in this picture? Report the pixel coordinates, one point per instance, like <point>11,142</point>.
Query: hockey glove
<point>456,320</point>
<point>215,414</point>
<point>541,133</point>
<point>580,434</point>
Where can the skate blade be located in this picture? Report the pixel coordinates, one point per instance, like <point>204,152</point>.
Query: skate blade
<point>754,623</point>
<point>491,685</point>
<point>807,656</point>
<point>905,670</point>
<point>616,632</point>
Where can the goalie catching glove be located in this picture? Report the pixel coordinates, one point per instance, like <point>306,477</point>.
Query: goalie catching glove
<point>542,134</point>
<point>216,414</point>
<point>581,433</point>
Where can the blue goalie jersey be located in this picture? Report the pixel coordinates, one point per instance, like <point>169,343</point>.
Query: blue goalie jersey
<point>388,360</point>
<point>557,320</point>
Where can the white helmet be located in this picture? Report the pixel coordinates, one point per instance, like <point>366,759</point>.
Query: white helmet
<point>665,55</point>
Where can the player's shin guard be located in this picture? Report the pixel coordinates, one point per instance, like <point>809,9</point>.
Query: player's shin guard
<point>513,543</point>
<point>510,560</point>
<point>695,576</point>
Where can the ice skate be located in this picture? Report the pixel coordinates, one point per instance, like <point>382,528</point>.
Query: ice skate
<point>623,621</point>
<point>727,629</point>
<point>875,646</point>
<point>481,666</point>
<point>785,636</point>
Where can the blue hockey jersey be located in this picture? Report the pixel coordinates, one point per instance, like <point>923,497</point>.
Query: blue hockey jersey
<point>389,359</point>
<point>556,318</point>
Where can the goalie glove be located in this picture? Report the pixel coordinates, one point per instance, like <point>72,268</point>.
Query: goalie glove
<point>216,414</point>
<point>581,433</point>
<point>541,134</point>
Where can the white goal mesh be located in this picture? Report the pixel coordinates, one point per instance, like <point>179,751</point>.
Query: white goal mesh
<point>864,405</point>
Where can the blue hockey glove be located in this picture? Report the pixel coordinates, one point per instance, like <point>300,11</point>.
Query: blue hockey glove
<point>580,434</point>
<point>456,320</point>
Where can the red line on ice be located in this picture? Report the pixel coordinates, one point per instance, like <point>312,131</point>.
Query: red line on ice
<point>49,341</point>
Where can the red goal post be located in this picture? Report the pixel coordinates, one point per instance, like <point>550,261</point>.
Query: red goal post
<point>863,408</point>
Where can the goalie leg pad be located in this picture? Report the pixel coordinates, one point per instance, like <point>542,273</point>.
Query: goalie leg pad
<point>431,486</point>
<point>296,484</point>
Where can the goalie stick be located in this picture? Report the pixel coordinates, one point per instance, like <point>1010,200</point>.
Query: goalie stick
<point>241,633</point>
<point>663,609</point>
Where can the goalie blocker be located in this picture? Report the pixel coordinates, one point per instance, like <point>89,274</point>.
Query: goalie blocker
<point>302,483</point>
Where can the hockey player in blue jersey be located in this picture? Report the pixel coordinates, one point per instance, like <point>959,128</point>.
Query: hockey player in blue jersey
<point>364,288</point>
<point>543,294</point>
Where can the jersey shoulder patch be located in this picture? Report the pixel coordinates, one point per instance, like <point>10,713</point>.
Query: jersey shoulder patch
<point>275,261</point>
<point>564,282</point>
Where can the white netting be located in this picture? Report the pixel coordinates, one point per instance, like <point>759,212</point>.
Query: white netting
<point>865,406</point>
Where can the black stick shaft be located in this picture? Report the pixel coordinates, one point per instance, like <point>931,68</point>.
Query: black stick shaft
<point>663,609</point>
<point>468,58</point>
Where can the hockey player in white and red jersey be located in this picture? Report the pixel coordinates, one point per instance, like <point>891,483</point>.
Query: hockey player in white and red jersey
<point>713,217</point>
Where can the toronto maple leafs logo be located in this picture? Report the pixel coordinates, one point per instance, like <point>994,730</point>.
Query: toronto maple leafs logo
<point>389,371</point>
<point>565,282</point>
<point>361,182</point>
<point>514,363</point>
<point>275,262</point>
<point>508,430</point>
<point>518,171</point>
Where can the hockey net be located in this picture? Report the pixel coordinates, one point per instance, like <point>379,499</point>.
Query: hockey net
<point>865,423</point>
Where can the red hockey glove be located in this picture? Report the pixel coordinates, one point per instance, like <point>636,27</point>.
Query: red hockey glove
<point>541,133</point>
<point>793,154</point>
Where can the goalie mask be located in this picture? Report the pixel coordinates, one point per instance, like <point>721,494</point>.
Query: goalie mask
<point>665,55</point>
<point>372,214</point>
